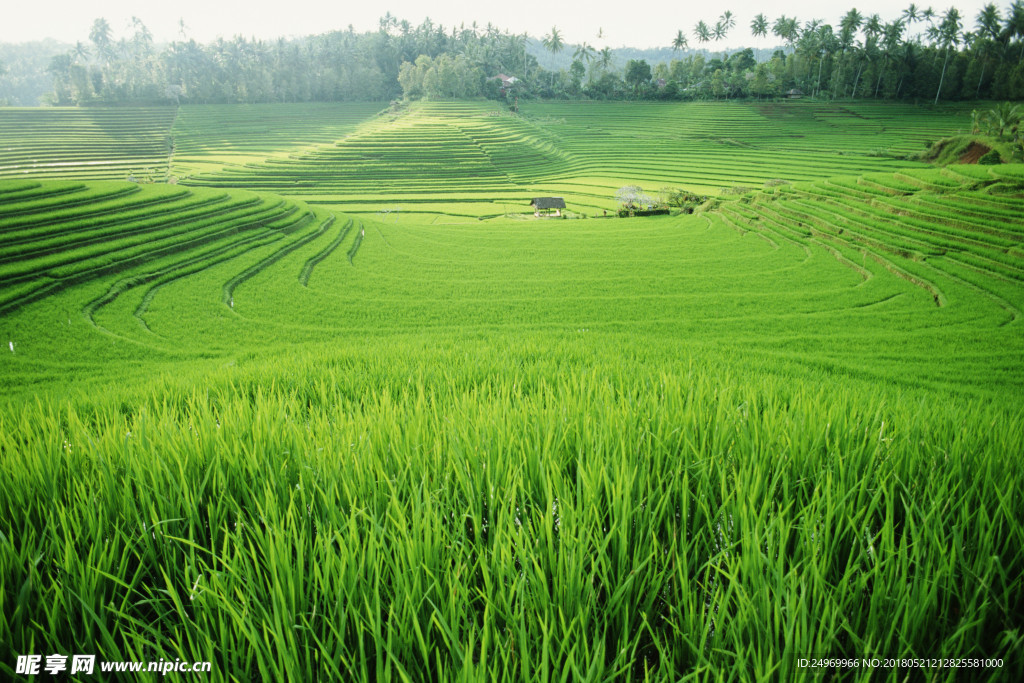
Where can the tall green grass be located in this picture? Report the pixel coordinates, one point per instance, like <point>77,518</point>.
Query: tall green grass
<point>508,512</point>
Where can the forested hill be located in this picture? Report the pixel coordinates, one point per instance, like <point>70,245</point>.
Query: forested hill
<point>913,55</point>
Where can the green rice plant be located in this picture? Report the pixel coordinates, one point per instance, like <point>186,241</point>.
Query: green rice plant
<point>633,520</point>
<point>672,448</point>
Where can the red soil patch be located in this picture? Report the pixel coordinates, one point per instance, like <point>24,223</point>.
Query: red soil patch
<point>974,151</point>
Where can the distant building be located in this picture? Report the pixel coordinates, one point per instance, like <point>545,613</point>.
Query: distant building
<point>794,94</point>
<point>506,81</point>
<point>547,205</point>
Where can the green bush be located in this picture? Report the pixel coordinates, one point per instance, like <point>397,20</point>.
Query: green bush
<point>991,158</point>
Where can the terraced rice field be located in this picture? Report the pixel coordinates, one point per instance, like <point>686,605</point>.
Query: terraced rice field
<point>209,137</point>
<point>477,160</point>
<point>101,252</point>
<point>66,142</point>
<point>244,426</point>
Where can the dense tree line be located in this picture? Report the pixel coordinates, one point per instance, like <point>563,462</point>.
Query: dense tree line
<point>918,55</point>
<point>23,79</point>
<point>335,66</point>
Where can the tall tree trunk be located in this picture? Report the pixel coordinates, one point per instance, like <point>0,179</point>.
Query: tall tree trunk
<point>857,80</point>
<point>942,77</point>
<point>878,83</point>
<point>980,79</point>
<point>838,77</point>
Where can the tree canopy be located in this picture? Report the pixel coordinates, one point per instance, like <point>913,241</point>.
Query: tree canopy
<point>915,54</point>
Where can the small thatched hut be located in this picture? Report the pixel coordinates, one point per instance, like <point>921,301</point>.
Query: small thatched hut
<point>547,205</point>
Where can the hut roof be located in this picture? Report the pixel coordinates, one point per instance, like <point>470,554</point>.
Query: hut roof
<point>548,203</point>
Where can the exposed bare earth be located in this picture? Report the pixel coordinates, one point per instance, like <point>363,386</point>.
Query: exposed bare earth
<point>974,151</point>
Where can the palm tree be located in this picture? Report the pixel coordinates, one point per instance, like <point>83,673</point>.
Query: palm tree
<point>848,27</point>
<point>1001,122</point>
<point>892,34</point>
<point>1014,25</point>
<point>851,21</point>
<point>911,16</point>
<point>142,39</point>
<point>807,45</point>
<point>948,35</point>
<point>1004,120</point>
<point>100,37</point>
<point>932,32</point>
<point>80,52</point>
<point>680,42</point>
<point>516,46</point>
<point>988,21</point>
<point>827,44</point>
<point>869,53</point>
<point>702,32</point>
<point>906,61</point>
<point>553,43</point>
<point>759,26</point>
<point>387,22</point>
<point>722,26</point>
<point>873,26</point>
<point>788,29</point>
<point>583,53</point>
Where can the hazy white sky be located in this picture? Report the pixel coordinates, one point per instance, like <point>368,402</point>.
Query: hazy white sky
<point>652,23</point>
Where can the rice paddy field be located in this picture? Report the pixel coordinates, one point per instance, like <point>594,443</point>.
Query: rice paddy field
<point>332,404</point>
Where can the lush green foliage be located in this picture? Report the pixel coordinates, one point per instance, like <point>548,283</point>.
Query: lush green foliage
<point>910,56</point>
<point>510,508</point>
<point>416,445</point>
<point>1002,123</point>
